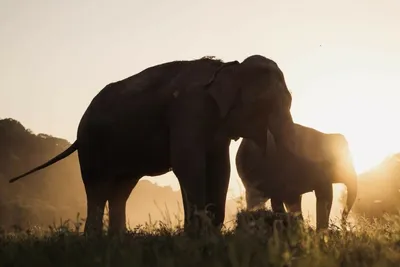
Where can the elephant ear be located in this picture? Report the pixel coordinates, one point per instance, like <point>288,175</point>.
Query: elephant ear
<point>223,88</point>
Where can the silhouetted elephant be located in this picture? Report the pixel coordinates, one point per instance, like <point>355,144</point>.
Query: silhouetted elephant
<point>283,177</point>
<point>178,116</point>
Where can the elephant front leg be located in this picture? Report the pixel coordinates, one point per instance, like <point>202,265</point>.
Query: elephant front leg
<point>192,184</point>
<point>254,198</point>
<point>119,194</point>
<point>218,174</point>
<point>293,205</point>
<point>324,195</point>
<point>188,162</point>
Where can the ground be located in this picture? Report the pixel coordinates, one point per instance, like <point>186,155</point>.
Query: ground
<point>259,238</point>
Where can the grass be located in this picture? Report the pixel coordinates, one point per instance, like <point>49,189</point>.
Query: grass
<point>259,238</point>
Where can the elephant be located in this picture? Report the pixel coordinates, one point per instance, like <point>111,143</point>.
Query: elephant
<point>178,116</point>
<point>282,177</point>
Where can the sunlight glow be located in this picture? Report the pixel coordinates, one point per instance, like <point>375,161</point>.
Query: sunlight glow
<point>356,111</point>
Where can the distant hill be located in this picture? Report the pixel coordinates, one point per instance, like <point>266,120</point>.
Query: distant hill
<point>57,191</point>
<point>379,189</point>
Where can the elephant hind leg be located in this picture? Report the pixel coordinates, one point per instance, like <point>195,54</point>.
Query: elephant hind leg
<point>96,200</point>
<point>118,196</point>
<point>254,199</point>
<point>218,173</point>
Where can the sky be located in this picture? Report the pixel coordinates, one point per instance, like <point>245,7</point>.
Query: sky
<point>340,59</point>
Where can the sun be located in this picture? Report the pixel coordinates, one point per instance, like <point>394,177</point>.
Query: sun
<point>352,108</point>
<point>358,112</point>
<point>367,146</point>
<point>367,156</point>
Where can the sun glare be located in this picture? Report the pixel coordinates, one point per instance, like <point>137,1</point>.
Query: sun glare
<point>368,145</point>
<point>353,109</point>
<point>357,111</point>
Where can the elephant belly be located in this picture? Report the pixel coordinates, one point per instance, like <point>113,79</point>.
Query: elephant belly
<point>275,176</point>
<point>141,149</point>
<point>280,190</point>
<point>149,155</point>
<point>283,182</point>
<point>155,157</point>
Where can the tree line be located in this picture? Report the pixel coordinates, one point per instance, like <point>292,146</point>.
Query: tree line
<point>57,192</point>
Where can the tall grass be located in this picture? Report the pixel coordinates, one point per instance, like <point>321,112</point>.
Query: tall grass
<point>259,238</point>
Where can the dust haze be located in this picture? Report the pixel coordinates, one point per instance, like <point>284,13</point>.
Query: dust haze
<point>57,193</point>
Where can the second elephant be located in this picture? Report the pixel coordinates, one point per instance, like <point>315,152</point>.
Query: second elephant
<point>279,175</point>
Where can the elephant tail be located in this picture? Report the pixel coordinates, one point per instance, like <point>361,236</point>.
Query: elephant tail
<point>59,157</point>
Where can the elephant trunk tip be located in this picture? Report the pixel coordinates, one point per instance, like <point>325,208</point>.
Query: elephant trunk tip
<point>352,188</point>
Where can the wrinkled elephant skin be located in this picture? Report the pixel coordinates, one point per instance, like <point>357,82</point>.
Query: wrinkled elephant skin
<point>178,116</point>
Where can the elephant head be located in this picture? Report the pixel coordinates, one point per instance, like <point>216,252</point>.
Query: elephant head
<point>252,97</point>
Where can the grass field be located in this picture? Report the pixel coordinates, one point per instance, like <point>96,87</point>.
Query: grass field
<point>258,239</point>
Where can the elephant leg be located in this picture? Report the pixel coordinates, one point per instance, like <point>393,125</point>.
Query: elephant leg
<point>293,205</point>
<point>193,202</point>
<point>187,121</point>
<point>218,174</point>
<point>254,199</point>
<point>277,205</point>
<point>188,163</point>
<point>324,196</point>
<point>96,198</point>
<point>192,184</point>
<point>117,204</point>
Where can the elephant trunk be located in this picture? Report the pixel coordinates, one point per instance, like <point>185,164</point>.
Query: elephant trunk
<point>352,187</point>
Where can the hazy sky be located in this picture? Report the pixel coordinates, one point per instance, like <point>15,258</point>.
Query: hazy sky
<point>340,58</point>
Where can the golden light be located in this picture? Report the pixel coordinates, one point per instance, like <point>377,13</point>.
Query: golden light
<point>356,109</point>
<point>352,106</point>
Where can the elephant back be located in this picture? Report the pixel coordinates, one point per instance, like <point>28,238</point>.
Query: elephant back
<point>149,92</point>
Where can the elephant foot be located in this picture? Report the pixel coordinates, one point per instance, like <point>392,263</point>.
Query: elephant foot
<point>117,232</point>
<point>298,216</point>
<point>92,232</point>
<point>322,229</point>
<point>117,225</point>
<point>192,229</point>
<point>201,224</point>
<point>93,226</point>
